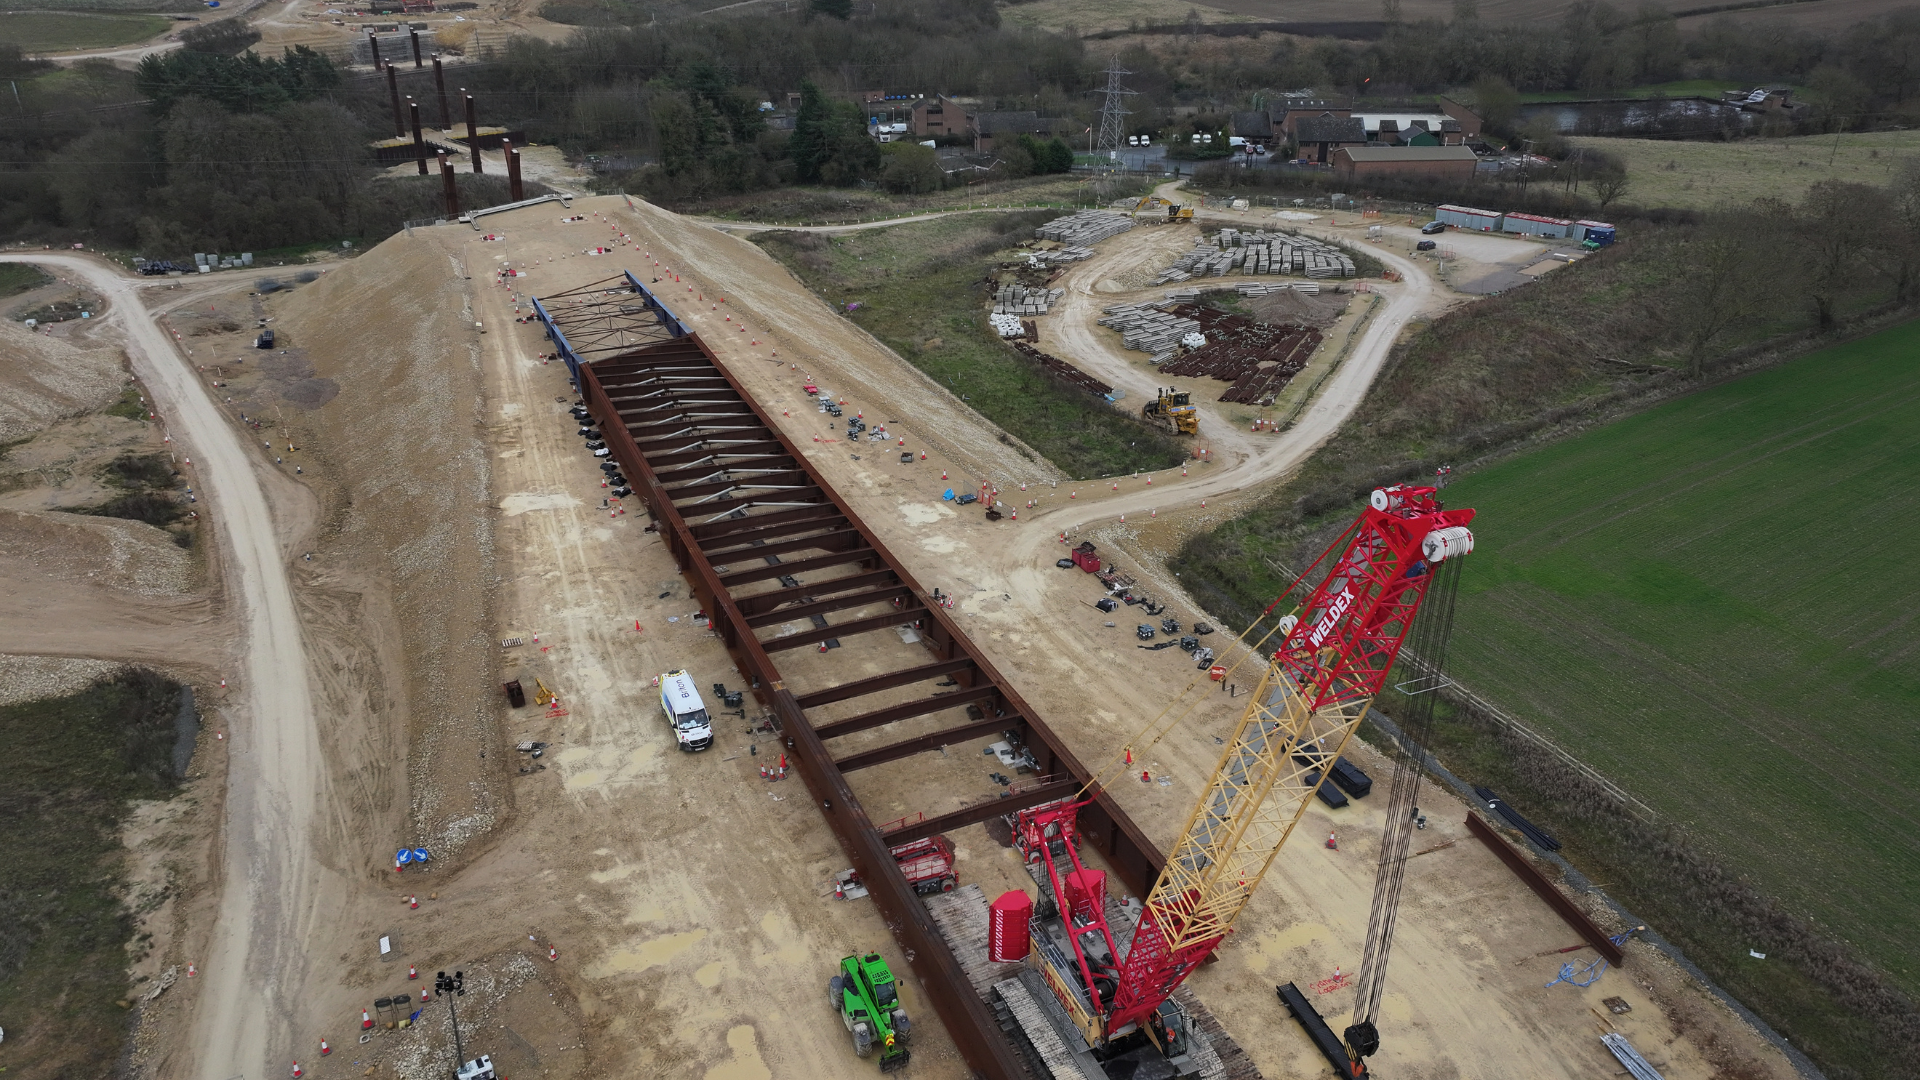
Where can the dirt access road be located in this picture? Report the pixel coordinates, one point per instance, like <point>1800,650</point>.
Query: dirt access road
<point>271,890</point>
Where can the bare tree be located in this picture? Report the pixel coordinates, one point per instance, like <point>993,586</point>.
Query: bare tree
<point>1610,185</point>
<point>1838,224</point>
<point>1726,287</point>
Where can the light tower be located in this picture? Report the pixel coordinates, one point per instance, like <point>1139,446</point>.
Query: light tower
<point>1113,132</point>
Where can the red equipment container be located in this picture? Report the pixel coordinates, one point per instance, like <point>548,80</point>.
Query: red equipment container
<point>1086,891</point>
<point>927,864</point>
<point>1085,559</point>
<point>1007,934</point>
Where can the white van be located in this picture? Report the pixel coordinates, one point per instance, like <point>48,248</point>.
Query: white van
<point>686,713</point>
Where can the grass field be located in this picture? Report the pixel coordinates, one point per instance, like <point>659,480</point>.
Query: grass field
<point>73,763</point>
<point>1702,175</point>
<point>918,290</point>
<point>1713,604</point>
<point>16,278</point>
<point>46,31</point>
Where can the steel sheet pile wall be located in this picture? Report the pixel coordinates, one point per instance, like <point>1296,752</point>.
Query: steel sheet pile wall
<point>745,515</point>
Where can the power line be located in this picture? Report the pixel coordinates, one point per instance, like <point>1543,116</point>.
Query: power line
<point>1113,113</point>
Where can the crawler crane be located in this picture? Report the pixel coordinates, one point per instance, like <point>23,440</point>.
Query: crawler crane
<point>1115,986</point>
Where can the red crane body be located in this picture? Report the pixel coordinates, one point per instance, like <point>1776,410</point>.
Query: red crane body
<point>1334,655</point>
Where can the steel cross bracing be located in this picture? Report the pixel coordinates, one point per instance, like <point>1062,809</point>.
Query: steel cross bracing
<point>603,319</point>
<point>782,563</point>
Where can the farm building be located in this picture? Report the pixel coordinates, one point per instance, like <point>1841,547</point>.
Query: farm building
<point>1398,129</point>
<point>1597,231</point>
<point>1535,225</point>
<point>1319,136</point>
<point>1466,217</point>
<point>1439,162</point>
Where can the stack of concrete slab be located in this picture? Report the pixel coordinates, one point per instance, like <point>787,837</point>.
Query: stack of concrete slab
<point>1059,256</point>
<point>1260,252</point>
<point>1007,326</point>
<point>1145,328</point>
<point>1085,228</point>
<point>1014,298</point>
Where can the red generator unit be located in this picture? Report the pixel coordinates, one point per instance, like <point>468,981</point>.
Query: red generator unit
<point>927,864</point>
<point>1085,559</point>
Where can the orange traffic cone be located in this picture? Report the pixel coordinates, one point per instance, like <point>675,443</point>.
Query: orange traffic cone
<point>1333,842</point>
<point>411,973</point>
<point>413,903</point>
<point>1145,777</point>
<point>423,996</point>
<point>296,1071</point>
<point>553,954</point>
<point>366,1022</point>
<point>324,1048</point>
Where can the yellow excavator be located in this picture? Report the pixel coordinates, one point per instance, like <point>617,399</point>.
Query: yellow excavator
<point>1174,411</point>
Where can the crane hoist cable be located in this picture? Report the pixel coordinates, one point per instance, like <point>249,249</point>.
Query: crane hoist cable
<point>1425,653</point>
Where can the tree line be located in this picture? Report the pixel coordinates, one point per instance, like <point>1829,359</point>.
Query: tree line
<point>241,148</point>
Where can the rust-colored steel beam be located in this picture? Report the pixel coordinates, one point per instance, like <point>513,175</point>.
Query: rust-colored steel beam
<point>1523,869</point>
<point>419,140</point>
<point>986,811</point>
<point>826,541</point>
<point>451,189</point>
<point>821,607</point>
<point>393,93</point>
<point>742,527</point>
<point>799,566</point>
<point>884,682</point>
<point>473,132</point>
<point>893,714</point>
<point>924,743</point>
<point>852,629</point>
<point>761,603</point>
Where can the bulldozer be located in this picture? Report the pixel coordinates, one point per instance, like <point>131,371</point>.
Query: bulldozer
<point>869,1004</point>
<point>1173,411</point>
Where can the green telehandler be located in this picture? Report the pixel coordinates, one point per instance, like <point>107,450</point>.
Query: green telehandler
<point>869,1004</point>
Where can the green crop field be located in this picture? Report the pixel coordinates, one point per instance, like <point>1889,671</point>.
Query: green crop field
<point>1714,603</point>
<point>47,31</point>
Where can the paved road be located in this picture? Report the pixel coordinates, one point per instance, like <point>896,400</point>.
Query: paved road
<point>274,777</point>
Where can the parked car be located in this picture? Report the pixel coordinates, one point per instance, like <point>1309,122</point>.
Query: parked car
<point>1433,227</point>
<point>1425,245</point>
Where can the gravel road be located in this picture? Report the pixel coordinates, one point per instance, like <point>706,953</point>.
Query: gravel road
<point>269,883</point>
